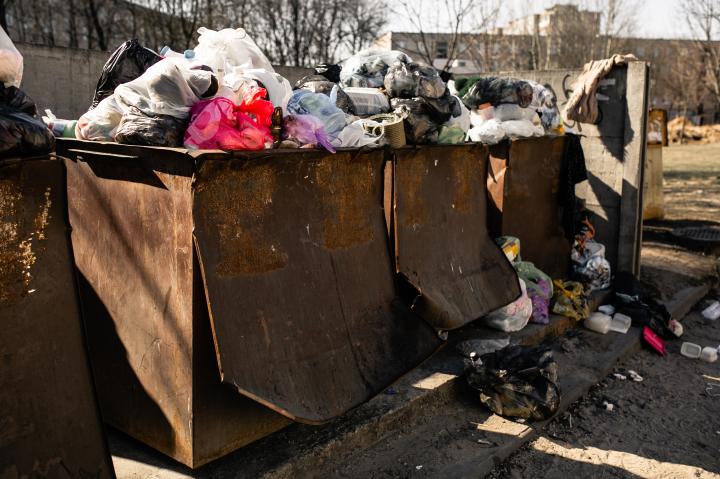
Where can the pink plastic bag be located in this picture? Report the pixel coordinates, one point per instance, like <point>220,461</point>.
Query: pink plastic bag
<point>220,124</point>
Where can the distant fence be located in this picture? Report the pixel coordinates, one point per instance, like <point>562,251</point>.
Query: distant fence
<point>64,79</point>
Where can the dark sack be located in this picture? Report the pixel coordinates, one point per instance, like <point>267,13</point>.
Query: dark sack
<point>21,133</point>
<point>517,381</point>
<point>127,62</point>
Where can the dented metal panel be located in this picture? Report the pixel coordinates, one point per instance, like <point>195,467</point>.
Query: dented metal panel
<point>442,244</point>
<point>299,280</point>
<point>144,304</point>
<point>49,422</point>
<point>523,186</point>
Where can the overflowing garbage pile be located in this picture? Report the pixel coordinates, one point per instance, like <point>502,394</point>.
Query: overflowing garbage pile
<point>22,133</point>
<point>225,94</point>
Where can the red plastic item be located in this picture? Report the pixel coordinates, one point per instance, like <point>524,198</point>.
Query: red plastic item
<point>219,123</point>
<point>654,341</point>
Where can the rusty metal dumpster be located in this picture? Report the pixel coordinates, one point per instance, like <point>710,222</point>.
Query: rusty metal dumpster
<point>442,244</point>
<point>49,421</point>
<point>523,186</point>
<point>278,259</point>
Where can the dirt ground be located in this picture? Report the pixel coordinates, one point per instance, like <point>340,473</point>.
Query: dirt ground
<point>692,182</point>
<point>668,425</point>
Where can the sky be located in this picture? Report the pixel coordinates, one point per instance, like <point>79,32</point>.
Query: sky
<point>655,18</point>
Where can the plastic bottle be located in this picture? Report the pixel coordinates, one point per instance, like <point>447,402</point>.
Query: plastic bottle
<point>169,53</point>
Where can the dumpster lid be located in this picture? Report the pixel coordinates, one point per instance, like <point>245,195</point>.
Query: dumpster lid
<point>299,283</point>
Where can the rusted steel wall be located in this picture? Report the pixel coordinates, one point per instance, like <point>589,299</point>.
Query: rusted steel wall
<point>299,280</point>
<point>49,421</point>
<point>523,184</point>
<point>441,238</point>
<point>148,330</point>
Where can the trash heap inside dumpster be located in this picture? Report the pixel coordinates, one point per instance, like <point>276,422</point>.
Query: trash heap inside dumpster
<point>224,94</point>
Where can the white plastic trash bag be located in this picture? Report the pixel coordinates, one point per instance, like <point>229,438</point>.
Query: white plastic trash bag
<point>169,87</point>
<point>522,129</point>
<point>278,87</point>
<point>100,123</point>
<point>11,62</point>
<point>489,132</point>
<point>222,50</point>
<point>360,133</point>
<point>514,316</point>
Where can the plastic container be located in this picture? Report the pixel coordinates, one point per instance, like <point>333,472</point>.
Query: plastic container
<point>168,52</point>
<point>486,111</point>
<point>620,323</point>
<point>598,322</point>
<point>368,101</point>
<point>691,350</point>
<point>709,354</point>
<point>393,129</point>
<point>607,309</point>
<point>712,312</point>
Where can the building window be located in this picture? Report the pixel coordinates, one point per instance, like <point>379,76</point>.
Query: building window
<point>441,49</point>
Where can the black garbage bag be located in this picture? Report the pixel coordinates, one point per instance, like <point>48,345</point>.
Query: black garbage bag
<point>495,90</point>
<point>517,381</point>
<point>329,71</point>
<point>409,80</point>
<point>419,126</point>
<point>320,84</point>
<point>127,62</point>
<point>21,133</point>
<point>137,128</point>
<point>644,310</point>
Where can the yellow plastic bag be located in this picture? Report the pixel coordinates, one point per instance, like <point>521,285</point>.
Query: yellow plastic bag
<point>569,300</point>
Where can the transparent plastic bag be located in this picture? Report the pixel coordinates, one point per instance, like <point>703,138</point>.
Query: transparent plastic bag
<point>512,317</point>
<point>478,90</point>
<point>367,101</point>
<point>220,124</point>
<point>307,130</point>
<point>222,50</point>
<point>319,84</point>
<point>510,111</point>
<point>137,128</point>
<point>11,62</point>
<point>539,288</point>
<point>169,87</point>
<point>303,102</point>
<point>361,133</point>
<point>489,132</point>
<point>462,120</point>
<point>521,129</point>
<point>368,68</point>
<point>278,87</point>
<point>408,80</point>
<point>100,123</point>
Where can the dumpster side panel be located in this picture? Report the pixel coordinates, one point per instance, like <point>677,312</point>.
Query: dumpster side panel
<point>49,419</point>
<point>299,280</point>
<point>528,174</point>
<point>443,246</point>
<point>132,224</point>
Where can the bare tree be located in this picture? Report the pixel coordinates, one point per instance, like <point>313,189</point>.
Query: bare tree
<point>448,30</point>
<point>703,18</point>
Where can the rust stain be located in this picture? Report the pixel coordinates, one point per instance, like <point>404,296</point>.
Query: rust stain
<point>464,167</point>
<point>411,174</point>
<point>344,183</point>
<point>236,201</point>
<point>17,247</point>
